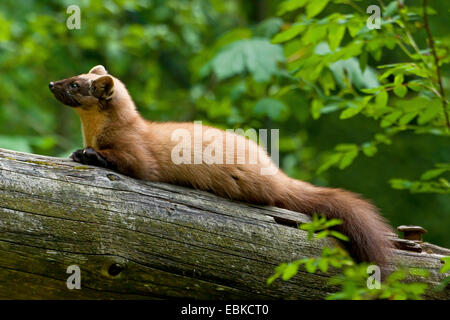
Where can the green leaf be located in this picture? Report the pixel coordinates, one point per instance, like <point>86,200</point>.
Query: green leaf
<point>274,109</point>
<point>430,174</point>
<point>382,138</point>
<point>257,56</point>
<point>315,7</point>
<point>369,149</point>
<point>333,222</point>
<point>400,184</point>
<point>390,119</point>
<point>290,271</point>
<point>272,278</point>
<point>372,90</point>
<point>321,234</point>
<point>350,69</point>
<point>288,34</point>
<point>331,161</point>
<point>432,110</point>
<point>335,263</point>
<point>347,159</point>
<point>323,265</point>
<point>415,86</point>
<point>400,90</point>
<point>291,5</point>
<point>351,111</point>
<point>345,147</point>
<point>339,235</point>
<point>353,27</point>
<point>268,28</point>
<point>398,80</point>
<point>407,117</point>
<point>315,33</point>
<point>328,84</point>
<point>335,35</point>
<point>363,59</point>
<point>311,265</point>
<point>446,267</point>
<point>317,105</point>
<point>381,99</point>
<point>391,9</point>
<point>355,108</point>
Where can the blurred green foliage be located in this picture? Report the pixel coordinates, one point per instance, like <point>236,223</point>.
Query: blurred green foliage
<point>293,65</point>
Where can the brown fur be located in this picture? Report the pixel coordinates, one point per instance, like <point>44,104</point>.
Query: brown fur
<point>142,149</point>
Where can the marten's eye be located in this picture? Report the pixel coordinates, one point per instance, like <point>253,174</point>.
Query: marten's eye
<point>74,85</point>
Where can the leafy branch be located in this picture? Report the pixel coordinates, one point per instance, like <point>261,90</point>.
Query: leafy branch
<point>333,70</point>
<point>436,62</point>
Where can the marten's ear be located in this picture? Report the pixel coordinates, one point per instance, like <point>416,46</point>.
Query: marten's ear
<point>100,70</point>
<point>102,87</point>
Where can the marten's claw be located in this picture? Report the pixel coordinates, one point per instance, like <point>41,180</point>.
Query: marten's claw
<point>75,156</point>
<point>90,157</point>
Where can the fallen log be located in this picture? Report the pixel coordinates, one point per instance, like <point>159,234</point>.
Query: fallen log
<point>138,240</point>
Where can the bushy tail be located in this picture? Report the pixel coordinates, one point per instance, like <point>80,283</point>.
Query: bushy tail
<point>362,223</point>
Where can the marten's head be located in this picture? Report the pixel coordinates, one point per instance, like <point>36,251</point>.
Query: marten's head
<point>91,90</point>
<point>99,99</point>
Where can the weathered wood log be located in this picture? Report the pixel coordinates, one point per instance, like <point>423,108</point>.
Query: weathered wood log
<point>134,239</point>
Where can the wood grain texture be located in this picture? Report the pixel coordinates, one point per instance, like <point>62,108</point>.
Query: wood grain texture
<point>167,241</point>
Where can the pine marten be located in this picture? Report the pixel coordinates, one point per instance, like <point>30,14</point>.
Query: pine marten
<point>117,137</point>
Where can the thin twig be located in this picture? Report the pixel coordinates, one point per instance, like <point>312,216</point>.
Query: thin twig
<point>436,61</point>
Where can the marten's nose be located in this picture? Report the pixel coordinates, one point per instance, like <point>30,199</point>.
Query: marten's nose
<point>50,85</point>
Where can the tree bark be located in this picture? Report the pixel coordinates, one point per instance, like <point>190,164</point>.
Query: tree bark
<point>134,239</point>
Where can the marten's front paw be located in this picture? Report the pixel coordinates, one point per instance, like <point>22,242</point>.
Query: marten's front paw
<point>90,157</point>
